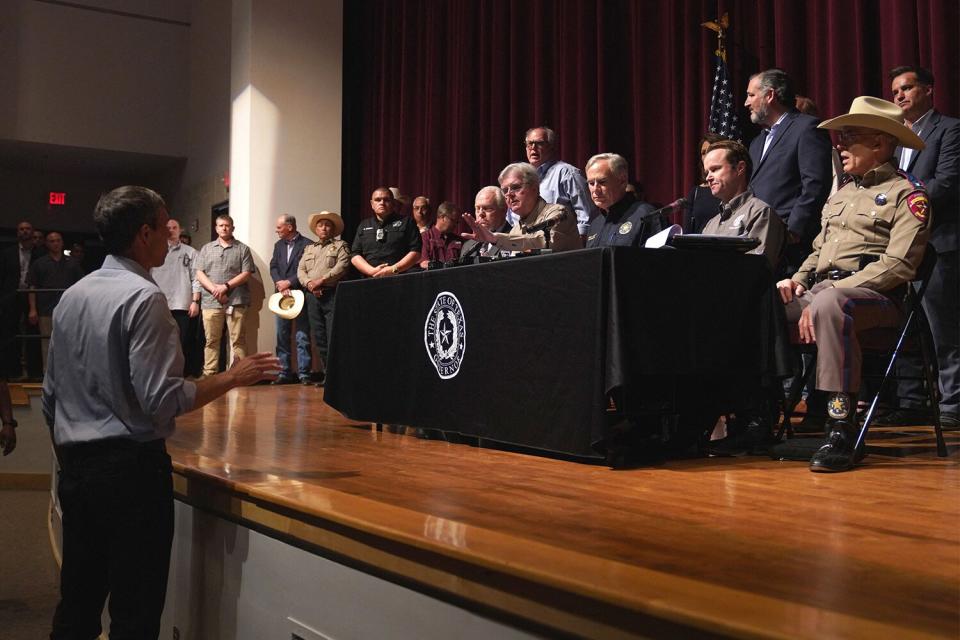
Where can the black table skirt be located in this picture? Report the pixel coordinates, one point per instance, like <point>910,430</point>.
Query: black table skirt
<point>546,339</point>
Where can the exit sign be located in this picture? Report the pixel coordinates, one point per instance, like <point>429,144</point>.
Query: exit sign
<point>58,198</point>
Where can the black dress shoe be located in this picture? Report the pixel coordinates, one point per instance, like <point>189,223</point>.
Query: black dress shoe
<point>285,380</point>
<point>838,454</point>
<point>305,380</point>
<point>754,440</point>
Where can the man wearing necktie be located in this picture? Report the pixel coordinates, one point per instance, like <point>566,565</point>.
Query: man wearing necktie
<point>791,160</point>
<point>938,166</point>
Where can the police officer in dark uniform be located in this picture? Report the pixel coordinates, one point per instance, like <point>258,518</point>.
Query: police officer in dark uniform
<point>873,235</point>
<point>624,221</point>
<point>386,243</point>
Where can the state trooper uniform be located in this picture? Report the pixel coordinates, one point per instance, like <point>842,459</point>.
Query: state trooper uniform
<point>870,245</point>
<point>872,239</point>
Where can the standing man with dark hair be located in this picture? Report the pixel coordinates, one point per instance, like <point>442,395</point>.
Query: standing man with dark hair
<point>283,269</point>
<point>938,166</point>
<point>113,388</point>
<point>223,268</point>
<point>176,278</point>
<point>560,182</point>
<point>52,271</point>
<point>791,161</point>
<point>386,243</point>
<point>16,265</point>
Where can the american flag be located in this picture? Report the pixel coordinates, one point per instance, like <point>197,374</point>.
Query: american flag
<point>723,113</point>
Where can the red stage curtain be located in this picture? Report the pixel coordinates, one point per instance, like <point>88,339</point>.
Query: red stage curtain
<point>438,94</point>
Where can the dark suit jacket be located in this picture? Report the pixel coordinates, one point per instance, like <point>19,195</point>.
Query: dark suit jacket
<point>938,165</point>
<point>796,174</point>
<point>283,269</point>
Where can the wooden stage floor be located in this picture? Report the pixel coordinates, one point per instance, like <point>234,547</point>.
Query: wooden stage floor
<point>746,547</point>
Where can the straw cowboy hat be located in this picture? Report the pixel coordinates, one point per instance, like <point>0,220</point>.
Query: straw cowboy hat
<point>287,307</point>
<point>874,113</point>
<point>326,215</point>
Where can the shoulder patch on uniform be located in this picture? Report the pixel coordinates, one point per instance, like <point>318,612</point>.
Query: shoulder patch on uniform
<point>915,181</point>
<point>919,205</point>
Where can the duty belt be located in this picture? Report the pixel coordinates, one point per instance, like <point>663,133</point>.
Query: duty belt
<point>833,274</point>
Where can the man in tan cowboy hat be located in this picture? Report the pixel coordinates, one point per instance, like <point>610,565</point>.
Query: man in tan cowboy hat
<point>323,265</point>
<point>873,234</point>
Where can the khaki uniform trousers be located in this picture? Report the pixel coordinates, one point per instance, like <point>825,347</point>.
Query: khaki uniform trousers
<point>838,315</point>
<point>213,320</point>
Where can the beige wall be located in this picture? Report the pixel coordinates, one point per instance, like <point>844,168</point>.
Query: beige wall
<point>285,123</point>
<point>72,76</point>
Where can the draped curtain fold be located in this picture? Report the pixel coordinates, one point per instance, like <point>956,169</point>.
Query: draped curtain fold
<point>438,95</point>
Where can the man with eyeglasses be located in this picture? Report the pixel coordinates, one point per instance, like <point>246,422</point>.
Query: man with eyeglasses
<point>873,235</point>
<point>560,182</point>
<point>625,221</point>
<point>490,209</point>
<point>520,184</point>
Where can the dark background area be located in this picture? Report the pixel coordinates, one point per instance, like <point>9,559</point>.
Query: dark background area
<point>438,95</point>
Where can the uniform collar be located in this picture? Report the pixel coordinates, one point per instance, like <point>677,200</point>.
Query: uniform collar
<point>735,203</point>
<point>621,206</point>
<point>878,174</point>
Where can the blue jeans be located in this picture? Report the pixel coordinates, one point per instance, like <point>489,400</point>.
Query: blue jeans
<point>303,345</point>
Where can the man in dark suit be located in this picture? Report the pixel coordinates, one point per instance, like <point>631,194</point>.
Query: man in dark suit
<point>624,221</point>
<point>15,308</point>
<point>938,166</point>
<point>791,161</point>
<point>490,208</point>
<point>283,269</point>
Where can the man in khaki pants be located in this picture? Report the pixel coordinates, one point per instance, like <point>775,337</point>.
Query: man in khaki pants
<point>223,268</point>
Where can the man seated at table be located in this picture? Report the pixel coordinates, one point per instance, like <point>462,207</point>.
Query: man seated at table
<point>624,221</point>
<point>872,240</point>
<point>728,166</point>
<point>441,242</point>
<point>520,184</point>
<point>386,243</point>
<point>490,211</point>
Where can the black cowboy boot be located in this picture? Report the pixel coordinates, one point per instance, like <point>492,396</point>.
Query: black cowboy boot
<point>839,453</point>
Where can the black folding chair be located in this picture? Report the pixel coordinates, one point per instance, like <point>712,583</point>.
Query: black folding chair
<point>876,342</point>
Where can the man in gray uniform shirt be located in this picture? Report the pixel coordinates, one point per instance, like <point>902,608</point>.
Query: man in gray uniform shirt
<point>113,386</point>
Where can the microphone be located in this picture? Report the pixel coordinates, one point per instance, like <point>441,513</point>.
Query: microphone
<point>679,202</point>
<point>546,224</point>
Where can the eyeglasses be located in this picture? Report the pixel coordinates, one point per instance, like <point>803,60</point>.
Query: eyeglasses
<point>516,187</point>
<point>530,144</point>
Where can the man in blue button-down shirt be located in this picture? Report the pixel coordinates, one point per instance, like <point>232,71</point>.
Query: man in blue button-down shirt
<point>113,386</point>
<point>560,182</point>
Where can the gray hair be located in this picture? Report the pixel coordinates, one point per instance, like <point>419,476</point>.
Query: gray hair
<point>526,170</point>
<point>289,219</point>
<point>551,135</point>
<point>616,162</point>
<point>498,198</point>
<point>780,83</point>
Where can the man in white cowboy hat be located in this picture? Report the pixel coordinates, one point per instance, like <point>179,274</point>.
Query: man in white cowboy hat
<point>323,265</point>
<point>873,236</point>
<point>283,269</point>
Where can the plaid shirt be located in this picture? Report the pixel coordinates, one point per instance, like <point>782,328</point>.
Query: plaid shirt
<point>220,264</point>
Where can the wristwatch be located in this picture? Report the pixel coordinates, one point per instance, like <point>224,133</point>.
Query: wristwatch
<point>11,422</point>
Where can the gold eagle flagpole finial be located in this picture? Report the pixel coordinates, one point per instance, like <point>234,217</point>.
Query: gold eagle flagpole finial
<point>720,26</point>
